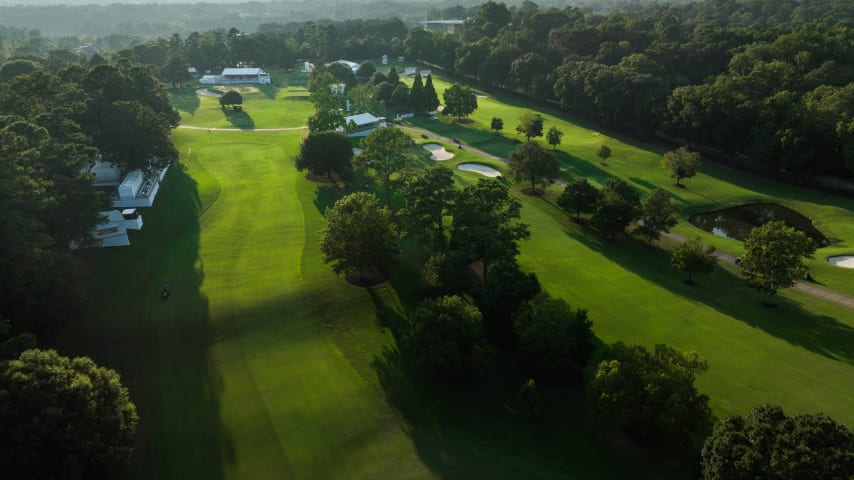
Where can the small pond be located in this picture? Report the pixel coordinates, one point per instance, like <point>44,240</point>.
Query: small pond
<point>479,168</point>
<point>737,222</point>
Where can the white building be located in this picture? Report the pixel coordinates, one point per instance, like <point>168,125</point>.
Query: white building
<point>362,124</point>
<point>233,76</point>
<point>113,229</point>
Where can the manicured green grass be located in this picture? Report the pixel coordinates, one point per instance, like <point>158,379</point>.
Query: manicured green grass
<point>715,187</point>
<point>263,364</point>
<point>264,106</point>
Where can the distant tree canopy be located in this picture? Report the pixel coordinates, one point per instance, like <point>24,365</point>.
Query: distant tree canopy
<point>63,418</point>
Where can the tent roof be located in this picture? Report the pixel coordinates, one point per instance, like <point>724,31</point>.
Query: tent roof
<point>242,71</point>
<point>361,119</point>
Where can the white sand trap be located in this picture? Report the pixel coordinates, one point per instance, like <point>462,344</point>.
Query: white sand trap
<point>844,261</point>
<point>437,152</point>
<point>357,150</point>
<point>481,169</point>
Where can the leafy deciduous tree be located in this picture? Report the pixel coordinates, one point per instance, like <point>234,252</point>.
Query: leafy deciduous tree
<point>497,124</point>
<point>231,99</point>
<point>429,196</point>
<point>530,125</point>
<point>767,444</point>
<point>649,395</point>
<point>604,153</point>
<point>657,214</point>
<point>63,418</point>
<point>460,101</point>
<point>384,153</point>
<point>359,235</point>
<point>681,163</point>
<point>579,196</point>
<point>486,224</point>
<point>531,162</point>
<point>442,333</point>
<point>325,153</point>
<point>554,137</point>
<point>693,257</point>
<point>616,208</point>
<point>498,297</point>
<point>555,341</point>
<point>774,257</point>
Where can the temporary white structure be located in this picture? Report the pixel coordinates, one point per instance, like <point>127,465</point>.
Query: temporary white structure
<point>362,124</point>
<point>131,185</point>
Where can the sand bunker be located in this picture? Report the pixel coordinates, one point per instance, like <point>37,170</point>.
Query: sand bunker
<point>357,150</point>
<point>481,169</point>
<point>844,261</point>
<point>437,152</point>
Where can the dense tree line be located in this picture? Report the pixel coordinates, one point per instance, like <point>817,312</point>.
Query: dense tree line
<point>768,83</point>
<point>52,126</point>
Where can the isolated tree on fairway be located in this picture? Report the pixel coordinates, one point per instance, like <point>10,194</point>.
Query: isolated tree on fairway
<point>416,94</point>
<point>460,101</point>
<point>531,162</point>
<point>693,257</point>
<point>555,341</point>
<point>767,444</point>
<point>442,333</point>
<point>326,153</point>
<point>657,214</point>
<point>649,395</point>
<point>231,99</point>
<point>530,125</point>
<point>618,206</point>
<point>774,257</point>
<point>554,137</point>
<point>359,235</point>
<point>498,298</point>
<point>497,124</point>
<point>486,223</point>
<point>579,196</point>
<point>63,418</point>
<point>429,196</point>
<point>681,163</point>
<point>604,153</point>
<point>384,153</point>
<point>430,98</point>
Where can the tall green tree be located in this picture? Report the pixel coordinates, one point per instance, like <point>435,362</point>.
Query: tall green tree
<point>486,224</point>
<point>693,257</point>
<point>63,418</point>
<point>768,444</point>
<point>531,125</point>
<point>555,341</point>
<point>460,101</point>
<point>531,162</point>
<point>497,124</point>
<point>681,163</point>
<point>393,77</point>
<point>416,94</point>
<point>231,99</point>
<point>617,207</point>
<point>649,395</point>
<point>604,153</point>
<point>442,333</point>
<point>359,235</point>
<point>134,136</point>
<point>657,214</point>
<point>430,97</point>
<point>499,296</point>
<point>554,137</point>
<point>385,152</point>
<point>774,256</point>
<point>579,196</point>
<point>429,196</point>
<point>326,153</point>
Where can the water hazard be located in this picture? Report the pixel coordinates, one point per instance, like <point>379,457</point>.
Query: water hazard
<point>737,222</point>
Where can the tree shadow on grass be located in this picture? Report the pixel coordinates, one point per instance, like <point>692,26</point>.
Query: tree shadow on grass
<point>159,347</point>
<point>725,292</point>
<point>270,91</point>
<point>185,100</point>
<point>239,119</point>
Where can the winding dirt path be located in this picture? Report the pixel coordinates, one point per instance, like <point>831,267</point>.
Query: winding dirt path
<point>830,296</point>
